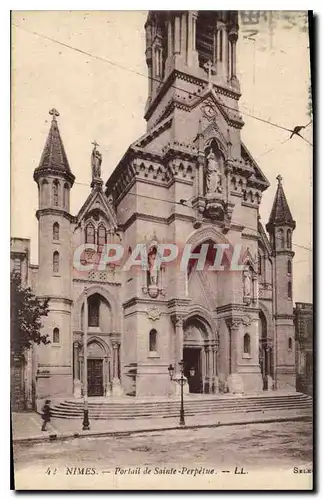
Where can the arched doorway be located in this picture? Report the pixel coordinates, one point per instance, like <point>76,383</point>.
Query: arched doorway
<point>99,369</point>
<point>198,356</point>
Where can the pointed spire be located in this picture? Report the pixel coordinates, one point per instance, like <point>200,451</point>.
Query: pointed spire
<point>54,158</point>
<point>280,214</point>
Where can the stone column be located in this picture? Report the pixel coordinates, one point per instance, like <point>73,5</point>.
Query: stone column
<point>234,63</point>
<point>225,54</point>
<point>200,175</point>
<point>75,359</point>
<point>214,48</point>
<point>169,38</point>
<point>218,52</point>
<point>116,384</point>
<point>149,63</point>
<point>234,381</point>
<point>177,31</point>
<point>184,35</point>
<point>209,370</point>
<point>179,341</point>
<point>192,56</point>
<point>107,387</point>
<point>215,382</point>
<point>203,368</point>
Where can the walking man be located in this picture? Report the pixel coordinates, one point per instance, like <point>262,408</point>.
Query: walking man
<point>46,414</point>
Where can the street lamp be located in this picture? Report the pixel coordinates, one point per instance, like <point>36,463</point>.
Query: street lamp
<point>86,423</point>
<point>182,381</point>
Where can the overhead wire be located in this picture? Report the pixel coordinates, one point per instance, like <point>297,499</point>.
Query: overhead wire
<point>125,68</point>
<point>112,63</point>
<point>153,198</point>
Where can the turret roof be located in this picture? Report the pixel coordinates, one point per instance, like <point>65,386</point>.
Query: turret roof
<point>280,213</point>
<point>54,157</point>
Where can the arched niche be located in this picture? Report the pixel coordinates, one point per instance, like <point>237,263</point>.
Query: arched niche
<point>109,300</point>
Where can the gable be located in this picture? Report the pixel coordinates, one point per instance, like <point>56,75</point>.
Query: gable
<point>97,205</point>
<point>257,172</point>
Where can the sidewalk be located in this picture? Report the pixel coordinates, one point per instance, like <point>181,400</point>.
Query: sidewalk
<point>26,426</point>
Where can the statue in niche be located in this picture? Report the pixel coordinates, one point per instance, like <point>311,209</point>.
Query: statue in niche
<point>96,160</point>
<point>247,283</point>
<point>152,270</point>
<point>213,176</point>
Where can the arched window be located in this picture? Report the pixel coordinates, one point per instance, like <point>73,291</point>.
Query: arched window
<point>153,340</point>
<point>280,239</point>
<point>65,195</point>
<point>94,310</point>
<point>56,336</point>
<point>205,37</point>
<point>56,193</point>
<point>259,263</point>
<point>221,45</point>
<point>289,267</point>
<point>158,62</point>
<point>17,266</point>
<point>289,290</point>
<point>44,192</point>
<point>289,238</point>
<point>290,343</point>
<point>55,262</point>
<point>246,344</point>
<point>89,233</point>
<point>102,237</point>
<point>55,231</point>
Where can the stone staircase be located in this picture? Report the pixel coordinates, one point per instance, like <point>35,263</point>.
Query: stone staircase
<point>133,408</point>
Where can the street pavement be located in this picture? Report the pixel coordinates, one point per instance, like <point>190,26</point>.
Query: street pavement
<point>27,426</point>
<point>262,455</point>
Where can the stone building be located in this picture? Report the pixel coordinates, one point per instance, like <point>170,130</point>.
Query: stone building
<point>303,319</point>
<point>23,366</point>
<point>189,180</point>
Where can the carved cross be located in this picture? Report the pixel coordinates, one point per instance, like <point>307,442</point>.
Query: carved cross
<point>54,113</point>
<point>209,68</point>
<point>279,178</point>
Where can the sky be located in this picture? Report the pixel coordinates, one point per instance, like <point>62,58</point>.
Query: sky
<point>105,102</point>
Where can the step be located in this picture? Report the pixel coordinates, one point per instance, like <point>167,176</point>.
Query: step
<point>210,405</point>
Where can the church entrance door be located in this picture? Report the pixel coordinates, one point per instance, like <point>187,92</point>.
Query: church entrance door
<point>193,369</point>
<point>95,377</point>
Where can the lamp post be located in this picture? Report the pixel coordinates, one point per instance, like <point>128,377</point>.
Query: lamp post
<point>86,423</point>
<point>182,381</point>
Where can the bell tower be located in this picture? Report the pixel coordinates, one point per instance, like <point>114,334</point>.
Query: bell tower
<point>54,179</point>
<point>206,184</point>
<point>280,228</point>
<point>197,47</point>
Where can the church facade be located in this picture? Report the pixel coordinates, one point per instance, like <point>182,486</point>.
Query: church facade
<point>191,182</point>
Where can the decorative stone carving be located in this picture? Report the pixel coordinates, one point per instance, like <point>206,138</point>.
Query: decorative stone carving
<point>96,160</point>
<point>234,323</point>
<point>247,320</point>
<point>153,313</point>
<point>178,320</point>
<point>213,176</point>
<point>247,286</point>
